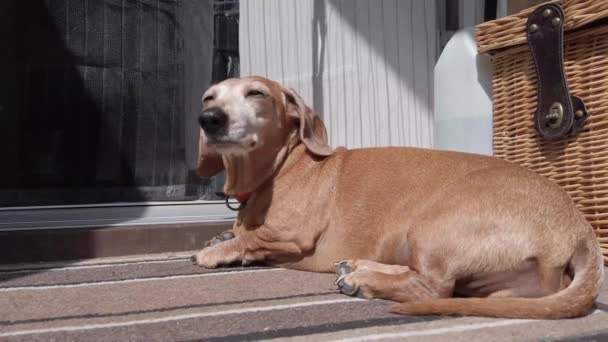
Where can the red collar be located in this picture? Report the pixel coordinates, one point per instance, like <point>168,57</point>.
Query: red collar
<point>242,198</point>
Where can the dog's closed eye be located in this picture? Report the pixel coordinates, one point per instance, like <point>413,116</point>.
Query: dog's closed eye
<point>208,98</point>
<point>255,93</point>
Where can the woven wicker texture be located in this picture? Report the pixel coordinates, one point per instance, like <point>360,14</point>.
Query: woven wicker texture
<point>578,163</point>
<point>511,30</point>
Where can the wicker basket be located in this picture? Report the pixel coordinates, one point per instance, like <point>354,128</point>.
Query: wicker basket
<point>577,162</point>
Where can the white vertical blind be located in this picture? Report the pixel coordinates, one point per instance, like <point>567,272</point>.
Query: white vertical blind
<point>364,66</point>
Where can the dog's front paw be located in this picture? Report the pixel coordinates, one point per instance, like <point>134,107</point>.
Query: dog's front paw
<point>211,257</point>
<point>345,285</point>
<point>351,281</point>
<point>206,258</point>
<point>217,255</point>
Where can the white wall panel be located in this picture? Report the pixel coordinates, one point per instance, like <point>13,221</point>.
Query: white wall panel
<point>364,66</point>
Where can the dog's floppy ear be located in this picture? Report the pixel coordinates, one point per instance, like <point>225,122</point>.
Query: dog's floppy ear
<point>312,130</point>
<point>209,163</point>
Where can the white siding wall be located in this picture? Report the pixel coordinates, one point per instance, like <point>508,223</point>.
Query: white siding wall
<point>364,66</point>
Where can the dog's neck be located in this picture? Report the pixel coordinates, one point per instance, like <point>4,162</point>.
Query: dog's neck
<point>254,213</point>
<point>245,173</point>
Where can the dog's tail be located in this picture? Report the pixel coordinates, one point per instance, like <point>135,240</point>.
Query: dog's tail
<point>574,301</point>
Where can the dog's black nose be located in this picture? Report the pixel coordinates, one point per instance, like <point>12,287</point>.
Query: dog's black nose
<point>212,120</point>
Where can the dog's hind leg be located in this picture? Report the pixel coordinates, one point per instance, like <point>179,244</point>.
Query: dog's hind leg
<point>366,279</point>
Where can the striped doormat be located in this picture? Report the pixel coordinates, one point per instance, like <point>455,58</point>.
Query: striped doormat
<point>165,298</point>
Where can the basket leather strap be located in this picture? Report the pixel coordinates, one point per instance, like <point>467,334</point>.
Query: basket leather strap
<point>558,113</point>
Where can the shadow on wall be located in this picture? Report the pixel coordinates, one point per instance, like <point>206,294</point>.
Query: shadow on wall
<point>364,66</point>
<point>319,35</point>
<point>372,63</point>
<point>402,32</point>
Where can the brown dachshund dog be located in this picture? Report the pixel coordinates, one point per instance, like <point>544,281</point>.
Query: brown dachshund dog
<point>415,226</point>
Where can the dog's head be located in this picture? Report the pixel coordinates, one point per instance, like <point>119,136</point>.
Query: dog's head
<point>245,115</point>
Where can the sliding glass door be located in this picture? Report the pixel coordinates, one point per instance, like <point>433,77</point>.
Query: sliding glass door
<point>99,98</point>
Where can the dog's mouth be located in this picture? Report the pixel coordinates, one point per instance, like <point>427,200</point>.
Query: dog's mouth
<point>225,145</point>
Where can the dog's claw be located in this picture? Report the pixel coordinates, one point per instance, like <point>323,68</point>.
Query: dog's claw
<point>227,236</point>
<point>343,268</point>
<point>346,288</point>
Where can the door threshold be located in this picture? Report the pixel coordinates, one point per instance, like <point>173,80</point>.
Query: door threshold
<point>85,243</point>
